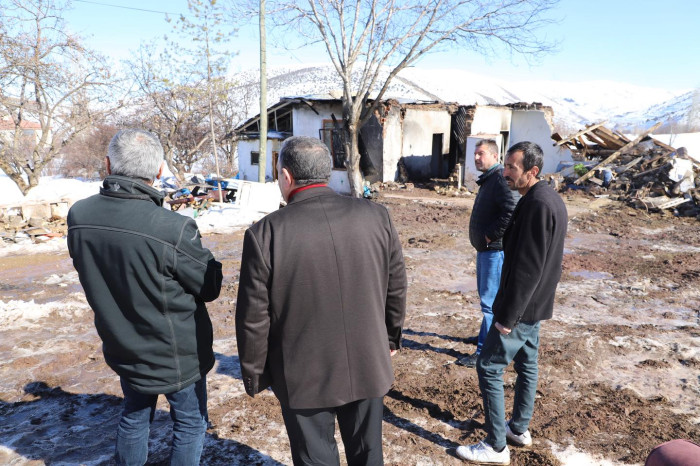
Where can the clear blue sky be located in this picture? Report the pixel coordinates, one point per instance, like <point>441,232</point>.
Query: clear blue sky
<point>644,42</point>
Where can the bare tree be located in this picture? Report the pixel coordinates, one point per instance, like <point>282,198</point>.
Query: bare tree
<point>232,104</point>
<point>370,41</point>
<point>84,155</point>
<point>204,28</point>
<point>50,87</point>
<point>181,88</point>
<point>172,105</point>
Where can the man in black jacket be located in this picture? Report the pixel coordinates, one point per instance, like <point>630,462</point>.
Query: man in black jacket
<point>493,206</point>
<point>321,304</point>
<point>533,246</point>
<point>146,276</point>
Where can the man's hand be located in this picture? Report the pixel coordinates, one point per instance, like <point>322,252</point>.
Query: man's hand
<point>503,330</point>
<point>393,352</point>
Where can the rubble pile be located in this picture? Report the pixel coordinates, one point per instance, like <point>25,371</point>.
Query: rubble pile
<point>451,190</point>
<point>198,193</point>
<point>26,225</point>
<point>644,172</point>
<point>390,186</point>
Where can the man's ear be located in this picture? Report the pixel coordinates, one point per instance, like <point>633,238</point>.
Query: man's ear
<point>535,171</point>
<point>160,170</point>
<point>288,178</point>
<point>108,165</point>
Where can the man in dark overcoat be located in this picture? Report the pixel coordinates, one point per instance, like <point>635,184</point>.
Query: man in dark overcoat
<point>533,246</point>
<point>320,309</point>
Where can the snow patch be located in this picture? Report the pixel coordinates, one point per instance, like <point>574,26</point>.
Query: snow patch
<point>571,456</point>
<point>14,314</point>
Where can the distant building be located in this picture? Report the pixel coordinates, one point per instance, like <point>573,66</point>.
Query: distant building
<point>28,128</point>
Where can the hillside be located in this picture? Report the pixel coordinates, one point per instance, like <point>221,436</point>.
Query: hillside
<point>574,103</point>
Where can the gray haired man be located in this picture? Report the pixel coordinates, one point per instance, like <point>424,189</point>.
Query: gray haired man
<point>321,304</point>
<point>146,276</point>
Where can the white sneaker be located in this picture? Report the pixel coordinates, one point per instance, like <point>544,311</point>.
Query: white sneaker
<point>522,440</point>
<point>482,453</point>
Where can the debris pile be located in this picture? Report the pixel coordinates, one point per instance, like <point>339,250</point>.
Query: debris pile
<point>644,172</point>
<point>448,189</point>
<point>199,193</point>
<point>32,223</point>
<point>390,186</point>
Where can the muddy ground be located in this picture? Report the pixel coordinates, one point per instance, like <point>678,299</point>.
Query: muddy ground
<point>619,362</point>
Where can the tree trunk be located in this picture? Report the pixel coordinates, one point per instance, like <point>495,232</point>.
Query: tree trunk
<point>13,174</point>
<point>33,178</point>
<point>23,186</point>
<point>353,162</point>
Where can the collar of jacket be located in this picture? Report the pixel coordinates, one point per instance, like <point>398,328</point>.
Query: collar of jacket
<point>488,173</point>
<point>541,184</point>
<point>124,187</point>
<point>309,193</point>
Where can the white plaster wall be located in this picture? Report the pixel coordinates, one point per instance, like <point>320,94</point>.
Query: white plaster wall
<point>391,152</point>
<point>249,171</point>
<point>491,120</point>
<point>339,182</point>
<point>308,123</point>
<point>418,129</point>
<point>246,170</point>
<point>531,125</point>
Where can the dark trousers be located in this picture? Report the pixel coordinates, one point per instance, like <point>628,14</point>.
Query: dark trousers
<point>312,433</point>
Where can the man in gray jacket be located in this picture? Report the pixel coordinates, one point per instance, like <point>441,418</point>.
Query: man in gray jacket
<point>493,207</point>
<point>320,309</point>
<point>146,276</point>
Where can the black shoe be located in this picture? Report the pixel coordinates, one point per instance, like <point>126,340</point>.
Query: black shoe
<point>468,360</point>
<point>472,340</point>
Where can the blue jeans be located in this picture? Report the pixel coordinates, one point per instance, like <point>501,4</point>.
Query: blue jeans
<point>488,278</point>
<point>521,347</point>
<point>188,410</point>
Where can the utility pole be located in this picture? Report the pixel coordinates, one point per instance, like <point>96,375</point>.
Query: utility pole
<point>211,110</point>
<point>262,159</point>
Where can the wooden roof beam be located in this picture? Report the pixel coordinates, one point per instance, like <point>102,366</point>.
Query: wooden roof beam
<point>627,146</point>
<point>580,133</point>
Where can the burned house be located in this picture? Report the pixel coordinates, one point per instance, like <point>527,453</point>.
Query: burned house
<point>418,132</point>
<point>425,139</point>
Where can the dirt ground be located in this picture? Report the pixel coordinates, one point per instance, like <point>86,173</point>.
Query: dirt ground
<point>619,362</point>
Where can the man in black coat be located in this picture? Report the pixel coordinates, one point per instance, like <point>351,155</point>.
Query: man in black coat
<point>493,207</point>
<point>321,305</point>
<point>533,246</point>
<point>146,276</point>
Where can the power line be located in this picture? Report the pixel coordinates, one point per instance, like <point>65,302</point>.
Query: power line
<point>127,7</point>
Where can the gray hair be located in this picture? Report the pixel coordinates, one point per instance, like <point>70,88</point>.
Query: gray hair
<point>135,153</point>
<point>532,155</point>
<point>490,144</point>
<point>307,159</point>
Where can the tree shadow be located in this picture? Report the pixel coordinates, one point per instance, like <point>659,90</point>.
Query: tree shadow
<point>408,331</point>
<point>414,345</point>
<point>229,365</point>
<point>436,412</point>
<point>55,426</point>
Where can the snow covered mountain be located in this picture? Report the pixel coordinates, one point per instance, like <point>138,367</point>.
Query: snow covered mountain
<point>575,103</point>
